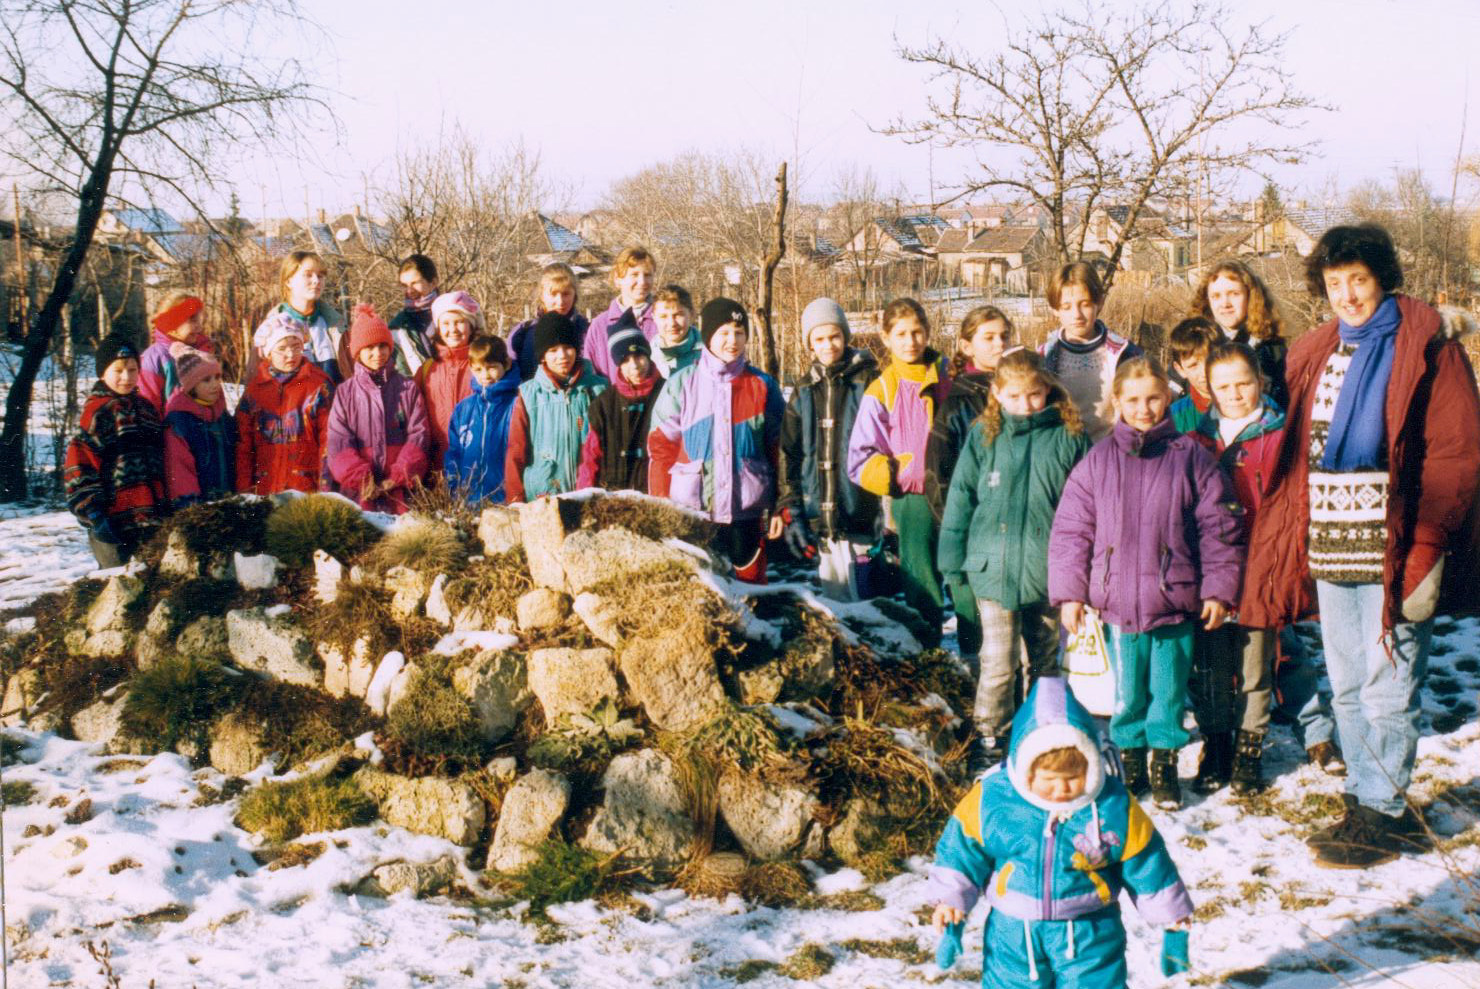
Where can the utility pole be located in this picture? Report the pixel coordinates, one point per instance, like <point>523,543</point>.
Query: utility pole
<point>20,263</point>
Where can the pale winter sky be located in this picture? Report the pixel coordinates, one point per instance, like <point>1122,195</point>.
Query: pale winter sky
<point>603,88</point>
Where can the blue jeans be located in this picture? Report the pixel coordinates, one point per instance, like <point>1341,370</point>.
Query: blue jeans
<point>1301,702</point>
<point>1375,693</point>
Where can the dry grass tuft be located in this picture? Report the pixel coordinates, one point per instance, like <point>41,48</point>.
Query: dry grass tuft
<point>668,599</point>
<point>714,876</point>
<point>208,527</point>
<point>775,884</point>
<point>492,585</point>
<point>648,517</point>
<point>318,521</point>
<point>425,545</point>
<point>300,723</point>
<point>860,757</point>
<point>809,962</point>
<point>433,730</point>
<point>363,611</point>
<point>281,812</point>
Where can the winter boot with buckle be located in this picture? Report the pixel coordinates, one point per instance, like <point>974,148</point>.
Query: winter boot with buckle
<point>1215,765</point>
<point>1248,759</point>
<point>1136,781</point>
<point>1165,790</point>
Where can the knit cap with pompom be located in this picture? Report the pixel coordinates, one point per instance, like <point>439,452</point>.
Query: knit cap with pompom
<point>367,329</point>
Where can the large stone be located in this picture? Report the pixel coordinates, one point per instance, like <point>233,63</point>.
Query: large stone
<point>499,530</point>
<point>272,645</point>
<point>531,809</point>
<point>327,573</point>
<point>804,670</point>
<point>542,530</point>
<point>180,560</point>
<point>675,680</point>
<point>347,676</point>
<point>601,618</point>
<point>430,805</point>
<point>105,628</point>
<point>438,610</point>
<point>204,638</point>
<point>255,573</point>
<point>771,821</point>
<point>22,690</point>
<point>590,557</point>
<point>571,681</point>
<point>863,829</point>
<point>541,608</point>
<point>103,722</point>
<point>408,589</point>
<point>496,683</point>
<point>418,878</point>
<point>643,815</point>
<point>236,745</point>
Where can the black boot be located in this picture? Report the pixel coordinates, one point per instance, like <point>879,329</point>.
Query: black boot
<point>1248,757</point>
<point>1165,790</point>
<point>1215,765</point>
<point>1136,780</point>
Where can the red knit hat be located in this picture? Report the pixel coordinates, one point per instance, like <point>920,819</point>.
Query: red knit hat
<point>366,330</point>
<point>175,316</point>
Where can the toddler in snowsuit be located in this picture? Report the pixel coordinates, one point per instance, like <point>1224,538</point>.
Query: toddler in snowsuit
<point>478,435</point>
<point>282,418</point>
<point>200,435</point>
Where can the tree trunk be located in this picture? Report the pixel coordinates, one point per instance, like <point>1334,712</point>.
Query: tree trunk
<point>769,363</point>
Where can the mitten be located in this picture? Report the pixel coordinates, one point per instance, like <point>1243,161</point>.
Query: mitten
<point>1423,571</point>
<point>799,539</point>
<point>948,948</point>
<point>1174,951</point>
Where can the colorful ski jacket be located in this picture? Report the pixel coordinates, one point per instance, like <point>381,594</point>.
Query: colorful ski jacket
<point>814,447</point>
<point>615,454</point>
<point>326,341</point>
<point>546,432</point>
<point>115,465</point>
<point>888,443</point>
<point>597,346</point>
<point>1147,528</point>
<point>158,381</point>
<point>378,432</point>
<point>1187,412</point>
<point>715,439</point>
<point>478,440</point>
<point>671,359</point>
<point>199,451</point>
<point>282,425</point>
<point>521,343</point>
<point>444,381</point>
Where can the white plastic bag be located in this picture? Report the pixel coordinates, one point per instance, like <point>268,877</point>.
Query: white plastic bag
<point>1085,662</point>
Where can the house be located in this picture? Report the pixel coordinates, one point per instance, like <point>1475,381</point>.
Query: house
<point>547,242</point>
<point>1159,245</point>
<point>1002,258</point>
<point>1291,230</point>
<point>886,239</point>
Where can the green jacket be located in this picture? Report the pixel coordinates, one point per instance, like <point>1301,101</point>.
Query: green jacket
<point>1001,505</point>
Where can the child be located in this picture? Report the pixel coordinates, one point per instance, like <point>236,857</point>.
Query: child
<point>200,435</point>
<point>1082,353</point>
<point>815,490</point>
<point>615,453</point>
<point>412,329</point>
<point>478,436</point>
<point>551,414</point>
<point>715,439</point>
<point>557,293</point>
<point>632,275</point>
<point>986,333</point>
<point>1148,534</point>
<point>301,278</point>
<point>994,535</point>
<point>378,432</point>
<point>1052,837</point>
<point>282,419</point>
<point>887,451</point>
<point>1189,344</point>
<point>444,380</point>
<point>676,344</point>
<point>114,472</point>
<point>178,321</point>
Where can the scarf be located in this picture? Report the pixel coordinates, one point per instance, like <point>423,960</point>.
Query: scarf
<point>423,304</point>
<point>1358,425</point>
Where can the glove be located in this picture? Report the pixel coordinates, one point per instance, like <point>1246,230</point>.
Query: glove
<point>799,541</point>
<point>1422,573</point>
<point>1174,951</point>
<point>102,531</point>
<point>948,948</point>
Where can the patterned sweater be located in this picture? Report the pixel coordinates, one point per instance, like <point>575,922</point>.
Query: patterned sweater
<point>1348,510</point>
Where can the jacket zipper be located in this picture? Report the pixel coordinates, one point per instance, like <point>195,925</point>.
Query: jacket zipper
<point>1050,838</point>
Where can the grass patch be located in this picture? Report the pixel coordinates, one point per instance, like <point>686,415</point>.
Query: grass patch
<point>903,949</point>
<point>647,517</point>
<point>211,527</point>
<point>300,723</point>
<point>492,585</point>
<point>668,599</point>
<point>17,793</point>
<point>363,611</point>
<point>850,901</point>
<point>177,699</point>
<point>317,521</point>
<point>433,730</point>
<point>810,961</point>
<point>748,971</point>
<point>562,873</point>
<point>76,682</point>
<point>190,599</point>
<point>421,544</point>
<point>775,884</point>
<point>281,812</point>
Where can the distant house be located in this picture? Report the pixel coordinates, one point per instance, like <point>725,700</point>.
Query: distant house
<point>355,232</point>
<point>1291,230</point>
<point>1159,246</point>
<point>885,239</point>
<point>1000,257</point>
<point>549,242</point>
<point>163,239</point>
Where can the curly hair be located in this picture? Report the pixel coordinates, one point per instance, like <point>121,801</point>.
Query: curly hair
<point>1024,365</point>
<point>1262,320</point>
<point>1365,243</point>
<point>974,319</point>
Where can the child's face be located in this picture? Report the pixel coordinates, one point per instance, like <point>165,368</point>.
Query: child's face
<point>187,330</point>
<point>375,356</point>
<point>557,297</point>
<point>673,322</point>
<point>1235,389</point>
<point>1077,312</point>
<point>454,328</point>
<point>906,339</point>
<point>207,390</point>
<point>827,344</point>
<point>635,368</point>
<point>635,284</point>
<point>1020,396</point>
<point>307,283</point>
<point>486,374</point>
<point>1141,402</point>
<point>1195,369</point>
<point>728,342</point>
<point>286,354</point>
<point>987,344</point>
<point>1229,301</point>
<point>1055,786</point>
<point>560,360</point>
<point>122,376</point>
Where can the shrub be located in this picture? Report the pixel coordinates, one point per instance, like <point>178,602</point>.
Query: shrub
<point>434,727</point>
<point>282,811</point>
<point>318,521</point>
<point>178,698</point>
<point>422,544</point>
<point>562,873</point>
<point>492,584</point>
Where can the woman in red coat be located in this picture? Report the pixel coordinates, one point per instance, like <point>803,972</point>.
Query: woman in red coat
<point>282,419</point>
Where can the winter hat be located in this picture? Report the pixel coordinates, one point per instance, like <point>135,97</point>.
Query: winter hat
<point>367,330</point>
<point>718,312</point>
<point>824,312</point>
<point>192,366</point>
<point>113,347</point>
<point>551,330</point>
<point>276,327</point>
<point>626,339</point>
<point>458,301</point>
<point>175,316</point>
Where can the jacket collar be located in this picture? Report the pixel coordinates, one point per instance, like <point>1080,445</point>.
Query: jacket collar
<point>642,389</point>
<point>852,362</point>
<point>1271,418</point>
<point>1132,441</point>
<point>716,368</point>
<point>506,385</point>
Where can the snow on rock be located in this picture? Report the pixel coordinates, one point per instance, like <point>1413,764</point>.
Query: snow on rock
<point>255,573</point>
<point>455,643</point>
<point>377,695</point>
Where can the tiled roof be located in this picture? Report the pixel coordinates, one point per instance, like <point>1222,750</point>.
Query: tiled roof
<point>147,221</point>
<point>1003,240</point>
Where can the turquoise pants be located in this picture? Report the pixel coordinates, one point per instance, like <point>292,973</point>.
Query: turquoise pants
<point>1151,670</point>
<point>1091,957</point>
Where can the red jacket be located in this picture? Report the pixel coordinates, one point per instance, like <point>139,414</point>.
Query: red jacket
<point>444,382</point>
<point>1433,444</point>
<point>282,427</point>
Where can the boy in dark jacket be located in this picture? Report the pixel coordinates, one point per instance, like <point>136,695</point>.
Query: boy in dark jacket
<point>615,452</point>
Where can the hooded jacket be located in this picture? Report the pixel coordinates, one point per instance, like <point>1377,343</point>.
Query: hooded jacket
<point>521,343</point>
<point>887,445</point>
<point>199,451</point>
<point>1147,529</point>
<point>444,382</point>
<point>597,345</point>
<point>671,359</point>
<point>115,464</point>
<point>378,431</point>
<point>957,414</point>
<point>546,433</point>
<point>478,440</point>
<point>715,439</point>
<point>615,452</point>
<point>814,447</point>
<point>158,380</point>
<point>282,426</point>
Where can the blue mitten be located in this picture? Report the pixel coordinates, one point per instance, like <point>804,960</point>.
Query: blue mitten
<point>948,948</point>
<point>102,531</point>
<point>1174,951</point>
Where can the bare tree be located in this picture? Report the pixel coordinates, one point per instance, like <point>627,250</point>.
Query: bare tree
<point>139,92</point>
<point>857,202</point>
<point>769,361</point>
<point>1421,227</point>
<point>1087,107</point>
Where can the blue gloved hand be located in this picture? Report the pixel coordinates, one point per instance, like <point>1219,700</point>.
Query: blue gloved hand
<point>948,948</point>
<point>1174,951</point>
<point>799,541</point>
<point>103,532</point>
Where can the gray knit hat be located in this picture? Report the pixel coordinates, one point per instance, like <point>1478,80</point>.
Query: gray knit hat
<point>824,312</point>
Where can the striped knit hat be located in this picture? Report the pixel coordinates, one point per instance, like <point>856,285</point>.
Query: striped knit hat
<point>192,366</point>
<point>627,338</point>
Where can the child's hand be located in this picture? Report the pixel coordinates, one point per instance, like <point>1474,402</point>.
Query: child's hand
<point>945,914</point>
<point>1071,616</point>
<point>1214,614</point>
<point>778,526</point>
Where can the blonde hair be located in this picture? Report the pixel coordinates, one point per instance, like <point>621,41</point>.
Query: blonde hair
<point>974,321</point>
<point>1067,759</point>
<point>1141,366</point>
<point>1080,273</point>
<point>1262,319</point>
<point>289,267</point>
<point>630,258</point>
<point>558,273</point>
<point>1027,366</point>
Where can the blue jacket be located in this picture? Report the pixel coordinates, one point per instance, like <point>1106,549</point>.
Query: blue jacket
<point>478,439</point>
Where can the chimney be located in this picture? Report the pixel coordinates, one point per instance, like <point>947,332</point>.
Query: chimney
<point>323,217</point>
<point>357,211</point>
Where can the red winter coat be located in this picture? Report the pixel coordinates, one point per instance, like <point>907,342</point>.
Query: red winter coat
<point>1433,447</point>
<point>282,427</point>
<point>444,382</point>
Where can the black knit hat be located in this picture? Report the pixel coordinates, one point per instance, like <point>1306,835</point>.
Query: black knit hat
<point>718,312</point>
<point>552,330</point>
<point>625,338</point>
<point>113,347</point>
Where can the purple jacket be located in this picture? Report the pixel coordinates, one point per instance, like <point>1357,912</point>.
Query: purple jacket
<point>596,349</point>
<point>378,430</point>
<point>1147,528</point>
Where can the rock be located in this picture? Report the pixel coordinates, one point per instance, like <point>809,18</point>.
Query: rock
<point>863,829</point>
<point>408,590</point>
<point>22,690</point>
<point>571,681</point>
<point>542,531</point>
<point>204,638</point>
<point>600,618</point>
<point>430,805</point>
<point>541,608</point>
<point>674,679</point>
<point>103,722</point>
<point>502,768</point>
<point>420,878</point>
<point>272,645</point>
<point>589,557</point>
<point>496,683</point>
<point>771,821</point>
<point>327,573</point>
<point>105,629</point>
<point>255,573</point>
<point>347,677</point>
<point>180,561</point>
<point>643,815</point>
<point>531,808</point>
<point>803,671</point>
<point>236,745</point>
<point>161,619</point>
<point>438,610</point>
<point>499,529</point>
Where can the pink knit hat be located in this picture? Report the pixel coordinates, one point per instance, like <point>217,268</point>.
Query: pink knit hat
<point>458,301</point>
<point>274,328</point>
<point>367,330</point>
<point>192,366</point>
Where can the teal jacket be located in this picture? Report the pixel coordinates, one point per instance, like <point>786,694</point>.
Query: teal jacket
<point>1001,503</point>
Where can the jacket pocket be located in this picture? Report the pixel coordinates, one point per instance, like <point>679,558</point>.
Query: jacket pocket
<point>539,478</point>
<point>755,484</point>
<point>1179,586</point>
<point>686,484</point>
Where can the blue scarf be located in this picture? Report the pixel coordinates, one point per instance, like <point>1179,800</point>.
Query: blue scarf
<point>1358,426</point>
